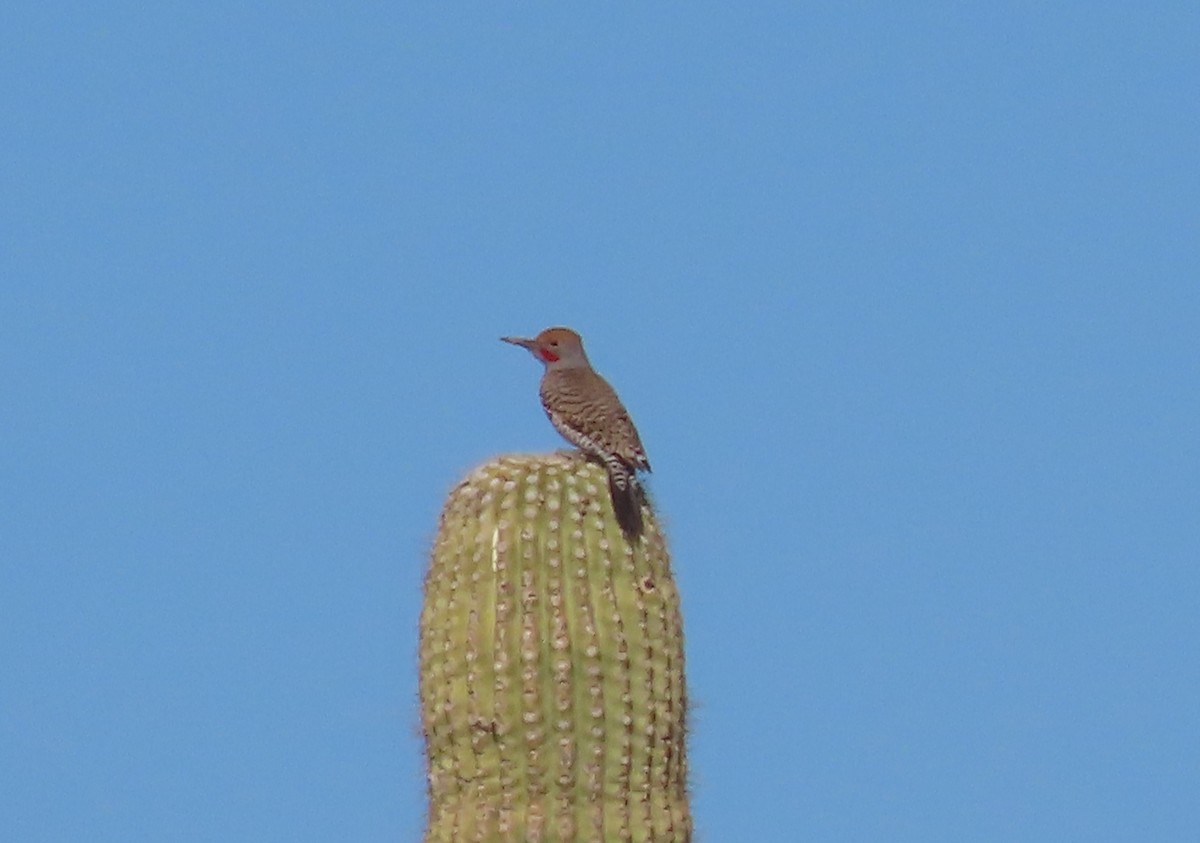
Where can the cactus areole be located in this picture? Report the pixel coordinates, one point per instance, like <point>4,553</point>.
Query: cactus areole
<point>553,699</point>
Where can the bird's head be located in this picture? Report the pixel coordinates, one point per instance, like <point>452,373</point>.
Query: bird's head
<point>556,347</point>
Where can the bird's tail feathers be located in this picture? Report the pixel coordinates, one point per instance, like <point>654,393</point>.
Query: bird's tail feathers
<point>627,498</point>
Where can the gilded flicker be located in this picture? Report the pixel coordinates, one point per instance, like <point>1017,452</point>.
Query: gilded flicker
<point>587,412</point>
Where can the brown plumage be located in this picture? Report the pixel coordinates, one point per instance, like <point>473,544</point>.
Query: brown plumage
<point>586,411</point>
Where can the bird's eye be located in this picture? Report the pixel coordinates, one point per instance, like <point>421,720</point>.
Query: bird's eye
<point>554,343</point>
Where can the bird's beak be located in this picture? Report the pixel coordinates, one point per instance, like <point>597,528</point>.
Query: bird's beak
<point>521,341</point>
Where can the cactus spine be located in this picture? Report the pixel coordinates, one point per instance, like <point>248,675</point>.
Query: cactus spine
<point>553,700</point>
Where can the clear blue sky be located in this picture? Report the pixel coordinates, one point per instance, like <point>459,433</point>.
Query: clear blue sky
<point>903,297</point>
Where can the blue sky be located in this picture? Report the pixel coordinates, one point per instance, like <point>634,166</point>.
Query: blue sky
<point>903,298</point>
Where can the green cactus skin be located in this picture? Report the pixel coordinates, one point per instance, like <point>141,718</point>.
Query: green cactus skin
<point>553,700</point>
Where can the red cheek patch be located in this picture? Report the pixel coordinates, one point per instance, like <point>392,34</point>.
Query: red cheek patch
<point>547,355</point>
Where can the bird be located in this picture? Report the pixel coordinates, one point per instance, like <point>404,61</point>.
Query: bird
<point>586,411</point>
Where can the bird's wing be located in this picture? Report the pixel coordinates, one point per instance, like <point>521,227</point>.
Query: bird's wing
<point>591,405</point>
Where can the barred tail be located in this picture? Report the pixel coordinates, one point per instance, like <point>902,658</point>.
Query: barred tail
<point>627,498</point>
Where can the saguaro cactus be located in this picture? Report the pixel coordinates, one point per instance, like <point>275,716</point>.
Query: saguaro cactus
<point>553,699</point>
